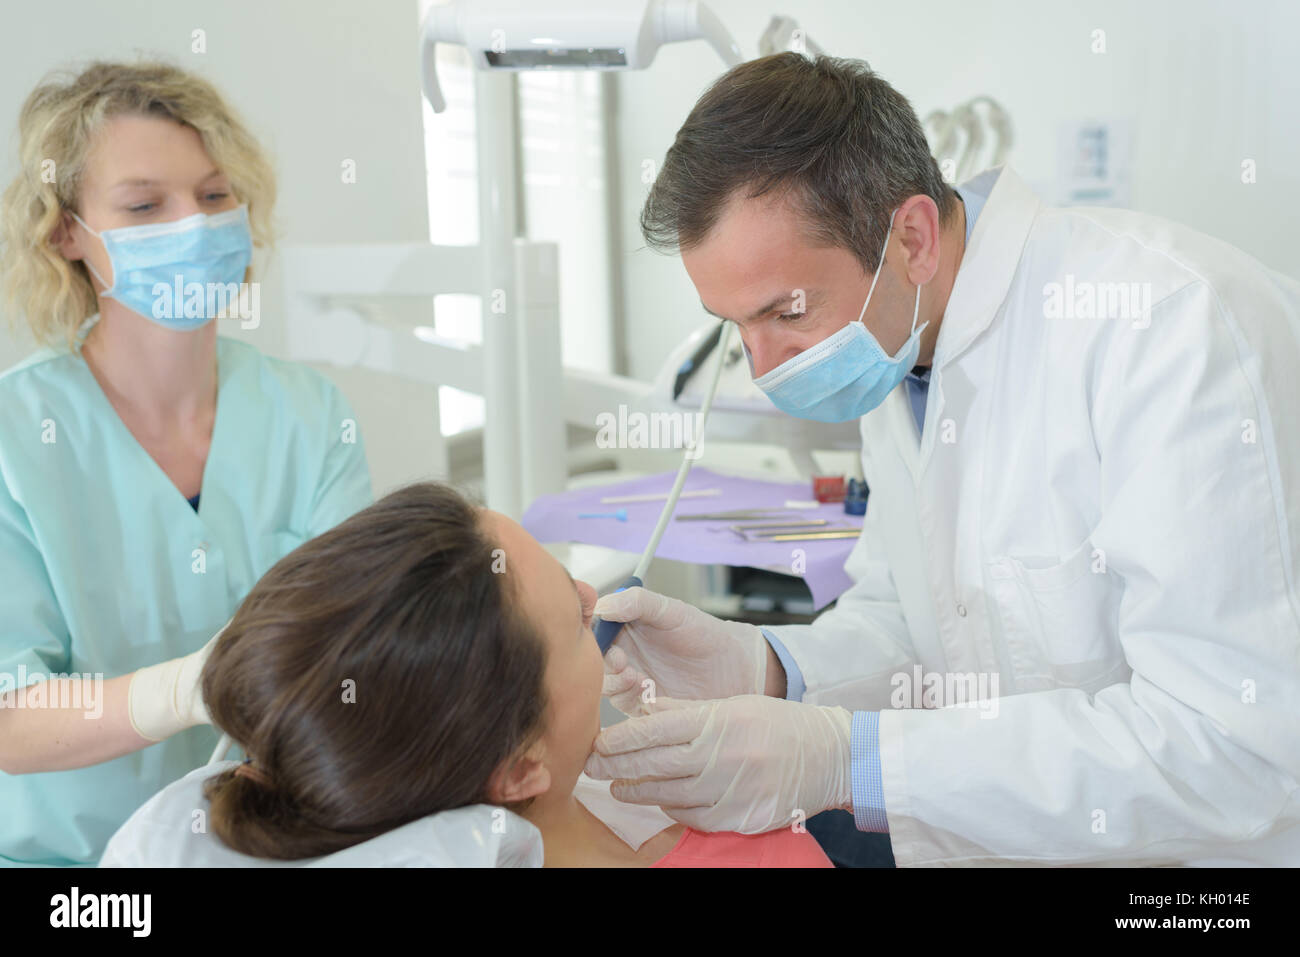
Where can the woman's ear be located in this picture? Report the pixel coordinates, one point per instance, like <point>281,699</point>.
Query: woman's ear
<point>64,238</point>
<point>518,779</point>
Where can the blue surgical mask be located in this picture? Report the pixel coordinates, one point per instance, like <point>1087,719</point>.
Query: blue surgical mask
<point>154,262</point>
<point>847,374</point>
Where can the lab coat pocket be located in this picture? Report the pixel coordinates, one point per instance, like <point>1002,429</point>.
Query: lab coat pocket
<point>1060,621</point>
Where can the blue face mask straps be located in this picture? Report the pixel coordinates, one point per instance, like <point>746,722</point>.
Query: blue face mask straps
<point>916,308</point>
<point>86,259</point>
<point>879,266</point>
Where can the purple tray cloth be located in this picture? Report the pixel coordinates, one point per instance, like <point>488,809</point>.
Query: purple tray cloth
<point>554,518</point>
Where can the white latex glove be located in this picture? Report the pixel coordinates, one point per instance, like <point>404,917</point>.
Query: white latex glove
<point>623,683</point>
<point>747,764</point>
<point>168,698</point>
<point>686,652</point>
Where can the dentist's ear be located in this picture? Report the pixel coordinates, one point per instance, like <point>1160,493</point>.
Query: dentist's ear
<point>918,229</point>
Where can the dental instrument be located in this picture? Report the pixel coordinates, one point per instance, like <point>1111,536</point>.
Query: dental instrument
<point>658,496</point>
<point>607,631</point>
<point>691,365</point>
<point>738,513</point>
<point>758,526</point>
<point>621,515</point>
<point>806,536</point>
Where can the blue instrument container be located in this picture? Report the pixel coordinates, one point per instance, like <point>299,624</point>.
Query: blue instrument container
<point>855,498</point>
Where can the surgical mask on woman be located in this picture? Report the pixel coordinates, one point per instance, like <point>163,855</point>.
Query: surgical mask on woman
<point>847,374</point>
<point>210,250</point>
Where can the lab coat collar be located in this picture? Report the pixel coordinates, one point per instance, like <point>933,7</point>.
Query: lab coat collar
<point>987,268</point>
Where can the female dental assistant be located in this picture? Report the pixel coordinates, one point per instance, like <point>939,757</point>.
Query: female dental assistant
<point>150,471</point>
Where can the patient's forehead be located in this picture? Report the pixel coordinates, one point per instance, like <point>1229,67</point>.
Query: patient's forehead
<point>539,573</point>
<point>510,536</point>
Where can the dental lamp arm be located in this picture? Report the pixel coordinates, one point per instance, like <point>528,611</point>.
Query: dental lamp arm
<point>678,20</point>
<point>442,23</point>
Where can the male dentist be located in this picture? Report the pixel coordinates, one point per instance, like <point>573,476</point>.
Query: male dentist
<point>1079,430</point>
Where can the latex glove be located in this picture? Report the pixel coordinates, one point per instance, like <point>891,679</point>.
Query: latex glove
<point>747,764</point>
<point>168,698</point>
<point>686,652</point>
<point>623,683</point>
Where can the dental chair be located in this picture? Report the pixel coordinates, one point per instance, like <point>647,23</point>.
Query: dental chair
<point>171,830</point>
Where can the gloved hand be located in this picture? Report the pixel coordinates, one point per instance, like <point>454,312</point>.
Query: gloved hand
<point>686,652</point>
<point>746,764</point>
<point>168,698</point>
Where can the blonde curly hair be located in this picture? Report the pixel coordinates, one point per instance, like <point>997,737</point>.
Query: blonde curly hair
<point>57,127</point>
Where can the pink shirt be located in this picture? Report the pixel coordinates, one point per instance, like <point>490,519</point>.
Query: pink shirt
<point>780,848</point>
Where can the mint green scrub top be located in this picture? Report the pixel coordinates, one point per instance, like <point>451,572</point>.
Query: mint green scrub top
<point>105,568</point>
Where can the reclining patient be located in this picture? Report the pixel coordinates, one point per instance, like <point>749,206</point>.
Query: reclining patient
<point>422,656</point>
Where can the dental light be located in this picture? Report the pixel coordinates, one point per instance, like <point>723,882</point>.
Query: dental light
<point>565,35</point>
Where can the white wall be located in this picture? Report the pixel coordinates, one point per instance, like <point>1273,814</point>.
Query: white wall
<point>318,82</point>
<point>1204,83</point>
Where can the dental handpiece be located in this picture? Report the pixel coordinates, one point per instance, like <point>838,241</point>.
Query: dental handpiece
<point>607,631</point>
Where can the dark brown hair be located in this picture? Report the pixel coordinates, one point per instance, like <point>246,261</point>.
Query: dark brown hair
<point>841,144</point>
<point>376,674</point>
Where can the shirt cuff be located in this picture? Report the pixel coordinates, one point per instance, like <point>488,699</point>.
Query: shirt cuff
<point>794,683</point>
<point>868,789</point>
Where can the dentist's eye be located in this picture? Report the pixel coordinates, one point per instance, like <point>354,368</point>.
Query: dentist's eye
<point>142,208</point>
<point>790,316</point>
<point>215,197</point>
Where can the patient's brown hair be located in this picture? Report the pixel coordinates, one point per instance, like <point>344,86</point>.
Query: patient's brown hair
<point>377,674</point>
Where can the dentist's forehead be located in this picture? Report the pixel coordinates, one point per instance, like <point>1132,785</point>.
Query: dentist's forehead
<point>748,246</point>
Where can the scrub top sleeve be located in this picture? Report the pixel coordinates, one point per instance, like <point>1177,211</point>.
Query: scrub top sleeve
<point>34,638</point>
<point>344,485</point>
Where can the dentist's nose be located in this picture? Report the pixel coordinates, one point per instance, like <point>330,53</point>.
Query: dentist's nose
<point>767,351</point>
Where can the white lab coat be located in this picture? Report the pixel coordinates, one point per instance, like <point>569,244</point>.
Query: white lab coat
<point>1105,517</point>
